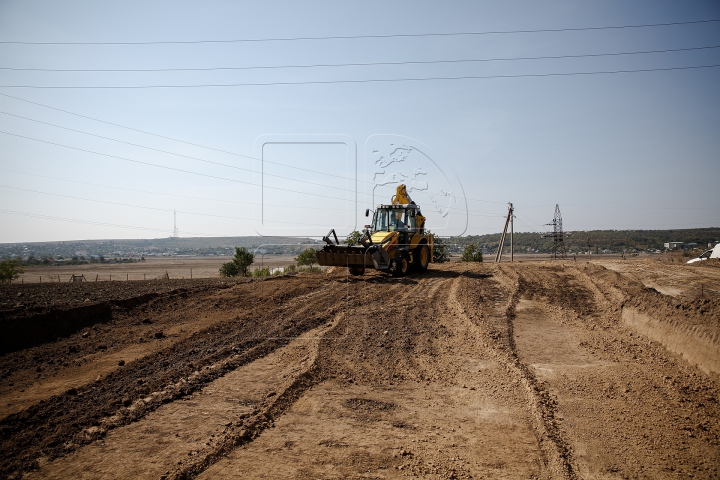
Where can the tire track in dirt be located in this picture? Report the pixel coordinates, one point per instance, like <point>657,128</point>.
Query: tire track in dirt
<point>685,326</point>
<point>55,427</point>
<point>557,454</point>
<point>240,433</point>
<point>651,414</point>
<point>88,366</point>
<point>182,438</point>
<point>408,389</point>
<point>245,431</point>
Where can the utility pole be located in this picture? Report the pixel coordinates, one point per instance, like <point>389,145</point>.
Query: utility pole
<point>508,221</point>
<point>512,234</point>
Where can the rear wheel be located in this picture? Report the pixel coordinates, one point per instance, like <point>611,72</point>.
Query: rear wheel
<point>401,265</point>
<point>423,257</point>
<point>357,270</point>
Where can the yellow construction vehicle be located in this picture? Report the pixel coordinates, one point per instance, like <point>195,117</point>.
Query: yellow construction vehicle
<point>395,241</point>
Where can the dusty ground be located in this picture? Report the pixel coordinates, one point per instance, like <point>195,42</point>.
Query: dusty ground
<point>525,370</point>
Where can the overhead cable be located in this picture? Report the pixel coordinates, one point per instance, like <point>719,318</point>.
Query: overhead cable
<point>356,64</point>
<point>358,81</point>
<point>196,144</point>
<point>356,37</point>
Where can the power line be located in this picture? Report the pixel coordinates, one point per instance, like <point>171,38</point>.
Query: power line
<point>91,222</point>
<point>490,214</point>
<point>358,64</point>
<point>195,144</point>
<point>168,168</point>
<point>524,225</point>
<point>114,225</point>
<point>629,207</point>
<point>166,194</point>
<point>269,174</point>
<point>530,219</point>
<point>161,136</point>
<point>369,80</point>
<point>152,208</point>
<point>355,37</point>
<point>169,209</point>
<point>173,153</point>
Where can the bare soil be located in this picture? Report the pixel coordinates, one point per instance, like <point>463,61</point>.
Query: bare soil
<point>515,370</point>
<point>153,268</point>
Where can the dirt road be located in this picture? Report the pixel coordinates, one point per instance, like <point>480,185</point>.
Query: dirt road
<point>532,370</point>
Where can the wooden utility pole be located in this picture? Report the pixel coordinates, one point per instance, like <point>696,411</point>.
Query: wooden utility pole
<point>508,220</point>
<point>512,235</point>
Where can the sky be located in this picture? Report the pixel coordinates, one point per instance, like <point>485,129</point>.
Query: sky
<point>231,149</point>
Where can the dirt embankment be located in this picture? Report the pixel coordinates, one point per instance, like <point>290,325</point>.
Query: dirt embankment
<point>467,371</point>
<point>31,315</point>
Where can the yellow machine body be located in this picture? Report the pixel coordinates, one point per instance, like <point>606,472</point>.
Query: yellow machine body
<point>396,241</point>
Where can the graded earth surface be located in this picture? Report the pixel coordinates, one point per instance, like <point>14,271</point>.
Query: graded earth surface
<point>545,370</point>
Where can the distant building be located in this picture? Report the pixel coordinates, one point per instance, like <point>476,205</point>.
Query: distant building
<point>673,245</point>
<point>81,253</point>
<point>690,245</point>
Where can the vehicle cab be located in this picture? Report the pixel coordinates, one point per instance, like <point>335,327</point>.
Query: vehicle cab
<point>712,253</point>
<point>402,221</point>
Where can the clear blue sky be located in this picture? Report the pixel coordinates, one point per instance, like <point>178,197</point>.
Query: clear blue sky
<point>622,151</point>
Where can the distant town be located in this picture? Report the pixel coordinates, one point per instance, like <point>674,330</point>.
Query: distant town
<point>128,251</point>
<point>596,242</point>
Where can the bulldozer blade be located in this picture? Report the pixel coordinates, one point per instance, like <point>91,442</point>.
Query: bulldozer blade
<point>344,256</point>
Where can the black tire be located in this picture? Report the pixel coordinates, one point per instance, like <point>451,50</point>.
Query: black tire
<point>401,265</point>
<point>357,270</point>
<point>422,254</point>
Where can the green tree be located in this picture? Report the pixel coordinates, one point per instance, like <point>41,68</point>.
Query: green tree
<point>10,270</point>
<point>307,257</point>
<point>472,254</point>
<point>239,264</point>
<point>353,238</point>
<point>441,253</point>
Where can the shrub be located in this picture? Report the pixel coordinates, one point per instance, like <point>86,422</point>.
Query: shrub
<point>472,254</point>
<point>310,269</point>
<point>239,264</point>
<point>261,272</point>
<point>353,238</point>
<point>441,253</point>
<point>307,257</point>
<point>229,269</point>
<point>10,270</point>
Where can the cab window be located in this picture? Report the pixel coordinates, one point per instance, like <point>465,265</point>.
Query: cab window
<point>412,224</point>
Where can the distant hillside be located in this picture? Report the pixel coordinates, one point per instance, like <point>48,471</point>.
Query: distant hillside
<point>615,240</point>
<point>149,247</point>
